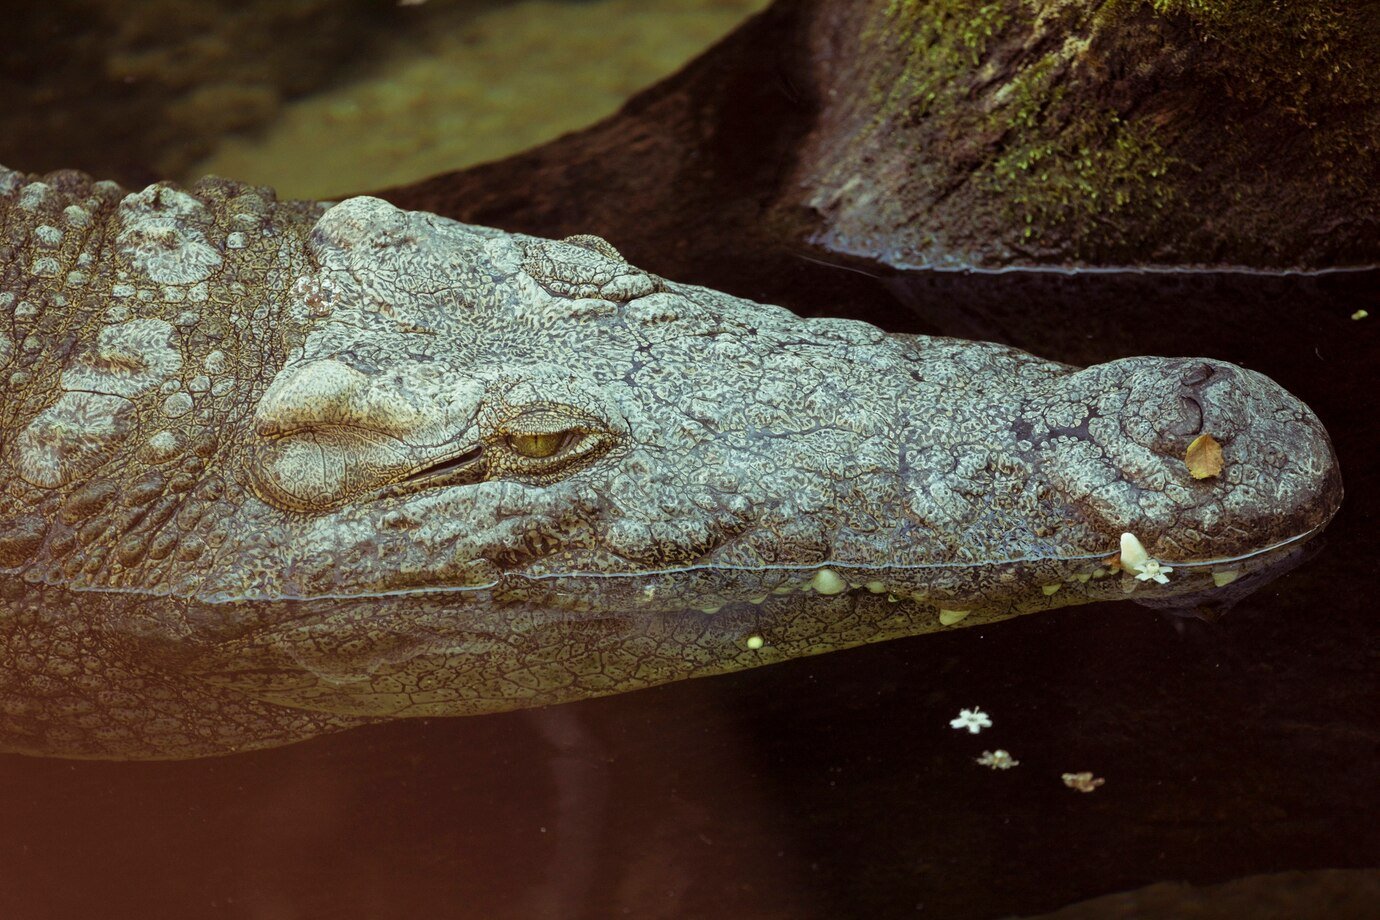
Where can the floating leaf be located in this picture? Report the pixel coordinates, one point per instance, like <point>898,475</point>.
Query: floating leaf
<point>1204,457</point>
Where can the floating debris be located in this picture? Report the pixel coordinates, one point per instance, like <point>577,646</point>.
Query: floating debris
<point>1360,314</point>
<point>1204,457</point>
<point>975,720</point>
<point>1134,558</point>
<point>998,760</point>
<point>1083,782</point>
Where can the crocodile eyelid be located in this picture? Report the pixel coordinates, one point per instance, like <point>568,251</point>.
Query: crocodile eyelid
<point>549,420</point>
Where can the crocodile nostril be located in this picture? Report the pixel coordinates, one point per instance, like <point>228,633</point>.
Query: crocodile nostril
<point>1197,373</point>
<point>1190,416</point>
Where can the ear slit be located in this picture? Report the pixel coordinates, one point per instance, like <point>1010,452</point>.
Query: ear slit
<point>446,466</point>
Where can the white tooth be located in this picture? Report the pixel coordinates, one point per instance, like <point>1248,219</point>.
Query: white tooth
<point>755,642</point>
<point>783,589</point>
<point>827,581</point>
<point>1050,589</point>
<point>711,609</point>
<point>1133,553</point>
<point>758,600</point>
<point>950,617</point>
<point>1222,579</point>
<point>1082,578</point>
<point>876,587</point>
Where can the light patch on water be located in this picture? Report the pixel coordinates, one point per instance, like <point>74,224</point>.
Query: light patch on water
<point>506,79</point>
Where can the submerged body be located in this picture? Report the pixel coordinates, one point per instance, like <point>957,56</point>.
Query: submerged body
<point>273,469</point>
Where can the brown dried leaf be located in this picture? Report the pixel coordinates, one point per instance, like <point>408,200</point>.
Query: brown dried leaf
<point>1204,457</point>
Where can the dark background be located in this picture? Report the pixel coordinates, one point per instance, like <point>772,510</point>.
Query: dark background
<point>833,786</point>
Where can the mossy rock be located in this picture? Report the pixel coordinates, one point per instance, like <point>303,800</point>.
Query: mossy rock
<point>1127,132</point>
<point>978,133</point>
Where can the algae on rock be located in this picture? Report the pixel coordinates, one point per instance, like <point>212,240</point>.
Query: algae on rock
<point>1127,131</point>
<point>979,133</point>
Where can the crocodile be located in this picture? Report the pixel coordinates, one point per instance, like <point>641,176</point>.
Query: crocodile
<point>270,469</point>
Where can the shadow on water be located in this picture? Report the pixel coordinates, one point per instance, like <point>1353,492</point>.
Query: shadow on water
<point>832,786</point>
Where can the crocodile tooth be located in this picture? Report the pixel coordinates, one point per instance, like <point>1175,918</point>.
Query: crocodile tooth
<point>827,581</point>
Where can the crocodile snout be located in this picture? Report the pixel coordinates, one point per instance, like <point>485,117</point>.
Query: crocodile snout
<point>1278,481</point>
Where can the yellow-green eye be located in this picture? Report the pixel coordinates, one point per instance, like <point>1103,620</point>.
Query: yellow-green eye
<point>537,446</point>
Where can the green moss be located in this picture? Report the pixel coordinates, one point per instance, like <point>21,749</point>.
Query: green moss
<point>1313,61</point>
<point>1290,48</point>
<point>942,40</point>
<point>1096,130</point>
<point>950,24</point>
<point>1098,169</point>
<point>985,22</point>
<point>1051,168</point>
<point>1076,168</point>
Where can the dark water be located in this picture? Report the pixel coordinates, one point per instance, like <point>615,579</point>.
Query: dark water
<point>833,786</point>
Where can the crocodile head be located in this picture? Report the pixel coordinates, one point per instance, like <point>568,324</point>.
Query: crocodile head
<point>470,407</point>
<point>479,470</point>
<point>505,424</point>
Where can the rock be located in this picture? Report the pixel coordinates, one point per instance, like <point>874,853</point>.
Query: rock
<point>952,133</point>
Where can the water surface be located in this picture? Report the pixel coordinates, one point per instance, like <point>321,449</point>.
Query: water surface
<point>832,786</point>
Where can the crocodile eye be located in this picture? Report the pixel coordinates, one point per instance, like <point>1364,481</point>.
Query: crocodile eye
<point>544,443</point>
<point>539,446</point>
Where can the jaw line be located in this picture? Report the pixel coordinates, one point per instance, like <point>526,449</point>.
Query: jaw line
<point>1253,554</point>
<point>840,567</point>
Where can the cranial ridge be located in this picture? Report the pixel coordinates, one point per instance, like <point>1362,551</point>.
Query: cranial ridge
<point>272,469</point>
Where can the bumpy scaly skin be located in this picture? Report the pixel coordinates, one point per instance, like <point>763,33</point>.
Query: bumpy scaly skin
<point>272,469</point>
